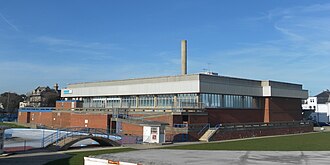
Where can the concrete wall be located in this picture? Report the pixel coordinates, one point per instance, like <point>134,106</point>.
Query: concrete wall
<point>143,86</point>
<point>195,83</point>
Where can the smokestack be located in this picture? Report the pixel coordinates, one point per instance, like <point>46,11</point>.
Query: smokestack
<point>184,57</point>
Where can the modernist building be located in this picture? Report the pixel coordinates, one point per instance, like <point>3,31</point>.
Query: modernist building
<point>184,103</point>
<point>221,99</point>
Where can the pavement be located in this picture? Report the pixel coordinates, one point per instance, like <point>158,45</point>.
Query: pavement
<point>148,154</point>
<point>196,157</point>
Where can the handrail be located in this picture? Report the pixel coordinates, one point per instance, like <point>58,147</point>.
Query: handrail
<point>202,130</point>
<point>218,126</point>
<point>74,131</point>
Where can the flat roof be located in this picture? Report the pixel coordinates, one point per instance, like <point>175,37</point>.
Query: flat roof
<point>192,83</point>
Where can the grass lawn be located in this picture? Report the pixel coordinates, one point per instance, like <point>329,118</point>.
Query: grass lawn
<point>78,157</point>
<point>305,142</point>
<point>12,125</point>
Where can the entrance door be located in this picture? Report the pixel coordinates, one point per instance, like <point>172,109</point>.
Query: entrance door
<point>28,117</point>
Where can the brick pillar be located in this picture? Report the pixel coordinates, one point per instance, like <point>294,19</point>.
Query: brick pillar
<point>266,111</point>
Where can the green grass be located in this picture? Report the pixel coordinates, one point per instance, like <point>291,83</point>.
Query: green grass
<point>12,125</point>
<point>77,158</point>
<point>304,142</point>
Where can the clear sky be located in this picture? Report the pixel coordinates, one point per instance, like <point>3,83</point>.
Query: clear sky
<point>43,42</point>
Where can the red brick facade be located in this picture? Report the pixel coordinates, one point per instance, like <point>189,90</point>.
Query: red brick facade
<point>237,134</point>
<point>64,119</point>
<point>234,116</point>
<point>131,129</point>
<point>284,109</point>
<point>274,109</point>
<point>67,105</point>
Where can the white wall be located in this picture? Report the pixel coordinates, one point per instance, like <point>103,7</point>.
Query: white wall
<point>191,86</point>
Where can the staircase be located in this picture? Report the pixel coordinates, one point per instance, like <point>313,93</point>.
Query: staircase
<point>209,133</point>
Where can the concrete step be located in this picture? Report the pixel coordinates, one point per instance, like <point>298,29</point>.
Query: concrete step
<point>208,134</point>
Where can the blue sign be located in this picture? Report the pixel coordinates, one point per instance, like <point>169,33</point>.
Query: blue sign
<point>67,91</point>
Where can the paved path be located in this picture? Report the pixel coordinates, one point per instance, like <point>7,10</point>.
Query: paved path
<point>194,157</point>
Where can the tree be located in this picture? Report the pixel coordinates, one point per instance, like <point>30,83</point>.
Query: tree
<point>10,101</point>
<point>50,98</point>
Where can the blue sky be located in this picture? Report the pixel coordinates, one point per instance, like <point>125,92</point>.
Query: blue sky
<point>68,41</point>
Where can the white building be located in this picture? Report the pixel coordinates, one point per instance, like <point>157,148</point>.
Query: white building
<point>320,104</point>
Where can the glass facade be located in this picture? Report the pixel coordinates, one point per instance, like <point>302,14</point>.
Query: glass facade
<point>165,101</point>
<point>189,100</point>
<point>230,101</point>
<point>146,101</point>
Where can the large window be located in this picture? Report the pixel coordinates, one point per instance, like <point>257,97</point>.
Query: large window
<point>128,101</point>
<point>187,100</point>
<point>165,100</point>
<point>229,101</point>
<point>146,101</point>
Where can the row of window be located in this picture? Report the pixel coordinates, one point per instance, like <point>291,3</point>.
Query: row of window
<point>230,101</point>
<point>174,101</point>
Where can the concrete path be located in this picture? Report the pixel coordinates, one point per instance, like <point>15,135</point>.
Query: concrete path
<point>194,157</point>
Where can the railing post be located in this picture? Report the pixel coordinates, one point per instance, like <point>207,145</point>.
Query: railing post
<point>43,138</point>
<point>57,134</point>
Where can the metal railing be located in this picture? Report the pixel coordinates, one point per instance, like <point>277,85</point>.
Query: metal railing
<point>264,125</point>
<point>61,134</point>
<point>205,128</point>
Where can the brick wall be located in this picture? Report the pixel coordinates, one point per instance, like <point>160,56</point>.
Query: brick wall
<point>237,134</point>
<point>285,109</point>
<point>217,116</point>
<point>197,119</point>
<point>61,119</point>
<point>41,118</point>
<point>22,117</point>
<point>67,105</point>
<point>177,119</point>
<point>166,118</point>
<point>131,129</point>
<point>89,120</point>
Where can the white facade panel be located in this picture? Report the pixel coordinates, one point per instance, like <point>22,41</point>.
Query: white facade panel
<point>191,86</point>
<point>267,91</point>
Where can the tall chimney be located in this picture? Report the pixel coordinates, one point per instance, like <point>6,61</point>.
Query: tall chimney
<point>184,57</point>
